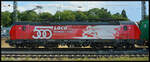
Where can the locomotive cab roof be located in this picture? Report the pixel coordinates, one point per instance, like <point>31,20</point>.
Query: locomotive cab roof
<point>75,23</point>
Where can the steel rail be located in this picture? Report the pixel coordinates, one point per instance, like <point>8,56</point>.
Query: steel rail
<point>72,53</point>
<point>71,56</point>
<point>67,49</point>
<point>75,51</point>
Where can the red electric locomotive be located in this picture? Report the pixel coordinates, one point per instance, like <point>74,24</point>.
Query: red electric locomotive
<point>121,34</point>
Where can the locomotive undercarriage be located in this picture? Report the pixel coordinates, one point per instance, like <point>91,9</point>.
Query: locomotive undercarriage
<point>116,44</point>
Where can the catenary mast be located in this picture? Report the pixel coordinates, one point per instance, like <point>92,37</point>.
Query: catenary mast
<point>143,10</point>
<point>15,18</point>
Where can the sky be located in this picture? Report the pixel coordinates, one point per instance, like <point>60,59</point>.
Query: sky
<point>132,8</point>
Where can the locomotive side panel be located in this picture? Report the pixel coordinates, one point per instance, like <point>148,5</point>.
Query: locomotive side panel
<point>20,32</point>
<point>75,32</point>
<point>66,32</point>
<point>12,33</point>
<point>128,32</point>
<point>78,35</point>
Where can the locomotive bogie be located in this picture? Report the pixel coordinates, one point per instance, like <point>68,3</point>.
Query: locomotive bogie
<point>73,43</point>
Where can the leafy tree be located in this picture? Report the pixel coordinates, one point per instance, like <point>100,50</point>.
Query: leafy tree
<point>66,15</point>
<point>80,16</point>
<point>98,14</point>
<point>45,16</point>
<point>5,19</point>
<point>103,13</point>
<point>12,16</point>
<point>92,14</point>
<point>58,16</point>
<point>29,16</point>
<point>147,17</point>
<point>123,13</point>
<point>119,17</point>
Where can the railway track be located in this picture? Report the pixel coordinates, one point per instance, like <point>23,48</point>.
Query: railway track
<point>71,56</point>
<point>72,53</point>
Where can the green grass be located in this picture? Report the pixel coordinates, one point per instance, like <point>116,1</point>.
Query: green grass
<point>78,59</point>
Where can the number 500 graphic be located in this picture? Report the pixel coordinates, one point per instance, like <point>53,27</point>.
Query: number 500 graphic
<point>42,32</point>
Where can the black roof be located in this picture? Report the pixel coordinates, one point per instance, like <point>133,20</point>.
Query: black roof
<point>74,23</point>
<point>127,23</point>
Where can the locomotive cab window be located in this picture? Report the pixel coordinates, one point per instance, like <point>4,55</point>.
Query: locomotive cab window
<point>125,28</point>
<point>23,28</point>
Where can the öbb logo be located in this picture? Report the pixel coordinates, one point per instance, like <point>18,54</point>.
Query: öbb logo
<point>42,32</point>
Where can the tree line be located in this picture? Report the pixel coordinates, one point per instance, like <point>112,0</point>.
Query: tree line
<point>92,15</point>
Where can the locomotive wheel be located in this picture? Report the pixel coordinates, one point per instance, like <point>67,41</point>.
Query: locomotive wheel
<point>72,46</point>
<point>123,46</point>
<point>85,44</point>
<point>11,44</point>
<point>78,45</point>
<point>35,46</point>
<point>31,46</point>
<point>49,46</point>
<point>128,46</point>
<point>16,46</point>
<point>95,46</point>
<point>22,46</point>
<point>131,46</point>
<point>118,46</point>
